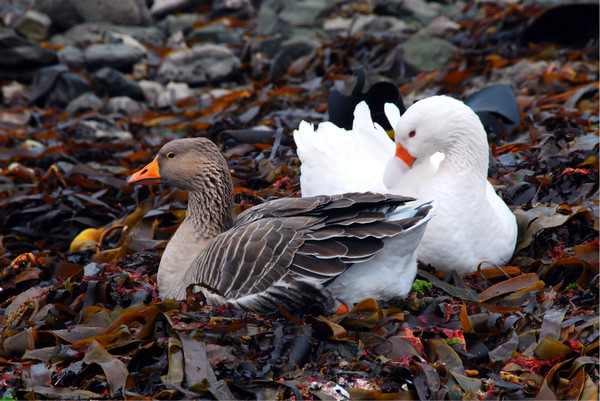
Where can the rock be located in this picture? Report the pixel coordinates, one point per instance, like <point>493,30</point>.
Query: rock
<point>440,26</point>
<point>33,25</point>
<point>98,127</point>
<point>123,105</point>
<point>20,57</point>
<point>216,34</point>
<point>421,10</point>
<point>68,13</point>
<point>119,12</point>
<point>174,92</point>
<point>88,33</point>
<point>84,103</point>
<point>151,90</point>
<point>109,81</point>
<point>425,54</point>
<point>14,93</point>
<point>200,65</point>
<point>56,87</point>
<point>291,49</point>
<point>160,8</point>
<point>71,56</point>
<point>346,27</point>
<point>240,9</point>
<point>179,23</point>
<point>276,16</point>
<point>61,13</point>
<point>119,56</point>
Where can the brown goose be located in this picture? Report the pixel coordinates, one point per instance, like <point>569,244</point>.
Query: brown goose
<point>294,252</point>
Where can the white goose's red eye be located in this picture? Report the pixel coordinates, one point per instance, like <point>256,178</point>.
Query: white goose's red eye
<point>412,133</point>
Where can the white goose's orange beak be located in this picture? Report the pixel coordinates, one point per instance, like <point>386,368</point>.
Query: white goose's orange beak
<point>148,175</point>
<point>403,154</point>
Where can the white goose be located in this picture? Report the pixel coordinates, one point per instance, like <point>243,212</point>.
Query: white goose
<point>441,154</point>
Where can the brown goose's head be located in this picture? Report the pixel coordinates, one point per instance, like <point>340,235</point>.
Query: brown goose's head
<point>193,164</point>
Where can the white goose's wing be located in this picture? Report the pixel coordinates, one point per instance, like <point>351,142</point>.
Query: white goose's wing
<point>337,161</point>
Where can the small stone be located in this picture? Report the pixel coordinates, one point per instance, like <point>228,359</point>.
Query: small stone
<point>109,81</point>
<point>33,25</point>
<point>201,64</point>
<point>123,105</point>
<point>13,93</point>
<point>98,127</point>
<point>440,26</point>
<point>20,57</point>
<point>291,50</point>
<point>67,86</point>
<point>71,56</point>
<point>174,92</point>
<point>118,56</point>
<point>426,54</point>
<point>84,103</point>
<point>119,12</point>
<point>215,34</point>
<point>151,90</point>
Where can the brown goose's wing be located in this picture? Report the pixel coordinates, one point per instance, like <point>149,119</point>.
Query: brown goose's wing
<point>281,252</point>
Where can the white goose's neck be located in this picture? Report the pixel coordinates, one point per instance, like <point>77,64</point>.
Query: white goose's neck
<point>468,149</point>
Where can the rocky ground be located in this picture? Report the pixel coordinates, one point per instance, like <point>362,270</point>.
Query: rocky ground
<point>90,91</point>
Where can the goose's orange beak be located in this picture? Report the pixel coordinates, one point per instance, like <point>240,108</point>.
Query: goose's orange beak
<point>148,175</point>
<point>403,154</point>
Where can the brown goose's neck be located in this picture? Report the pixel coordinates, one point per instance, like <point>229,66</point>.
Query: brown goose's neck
<point>210,203</point>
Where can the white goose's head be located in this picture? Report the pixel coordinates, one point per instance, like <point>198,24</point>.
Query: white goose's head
<point>441,124</point>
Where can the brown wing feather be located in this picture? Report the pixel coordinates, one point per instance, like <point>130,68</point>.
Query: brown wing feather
<point>282,246</point>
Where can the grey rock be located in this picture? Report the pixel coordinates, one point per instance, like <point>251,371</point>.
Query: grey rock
<point>276,16</point>
<point>20,57</point>
<point>71,56</point>
<point>58,87</point>
<point>179,23</point>
<point>173,92</point>
<point>151,90</point>
<point>240,9</point>
<point>119,56</point>
<point>33,25</point>
<point>291,49</point>
<point>420,10</point>
<point>61,13</point>
<point>98,127</point>
<point>270,45</point>
<point>160,8</point>
<point>68,13</point>
<point>425,53</point>
<point>345,27</point>
<point>124,105</point>
<point>215,34</point>
<point>88,33</point>
<point>120,12</point>
<point>111,82</point>
<point>199,65</point>
<point>14,93</point>
<point>84,103</point>
<point>440,26</point>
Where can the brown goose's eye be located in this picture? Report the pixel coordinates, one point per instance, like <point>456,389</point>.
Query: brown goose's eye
<point>170,155</point>
<point>412,133</point>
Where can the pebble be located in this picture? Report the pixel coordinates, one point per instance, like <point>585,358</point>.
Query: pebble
<point>202,64</point>
<point>119,56</point>
<point>111,82</point>
<point>83,103</point>
<point>33,25</point>
<point>124,105</point>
